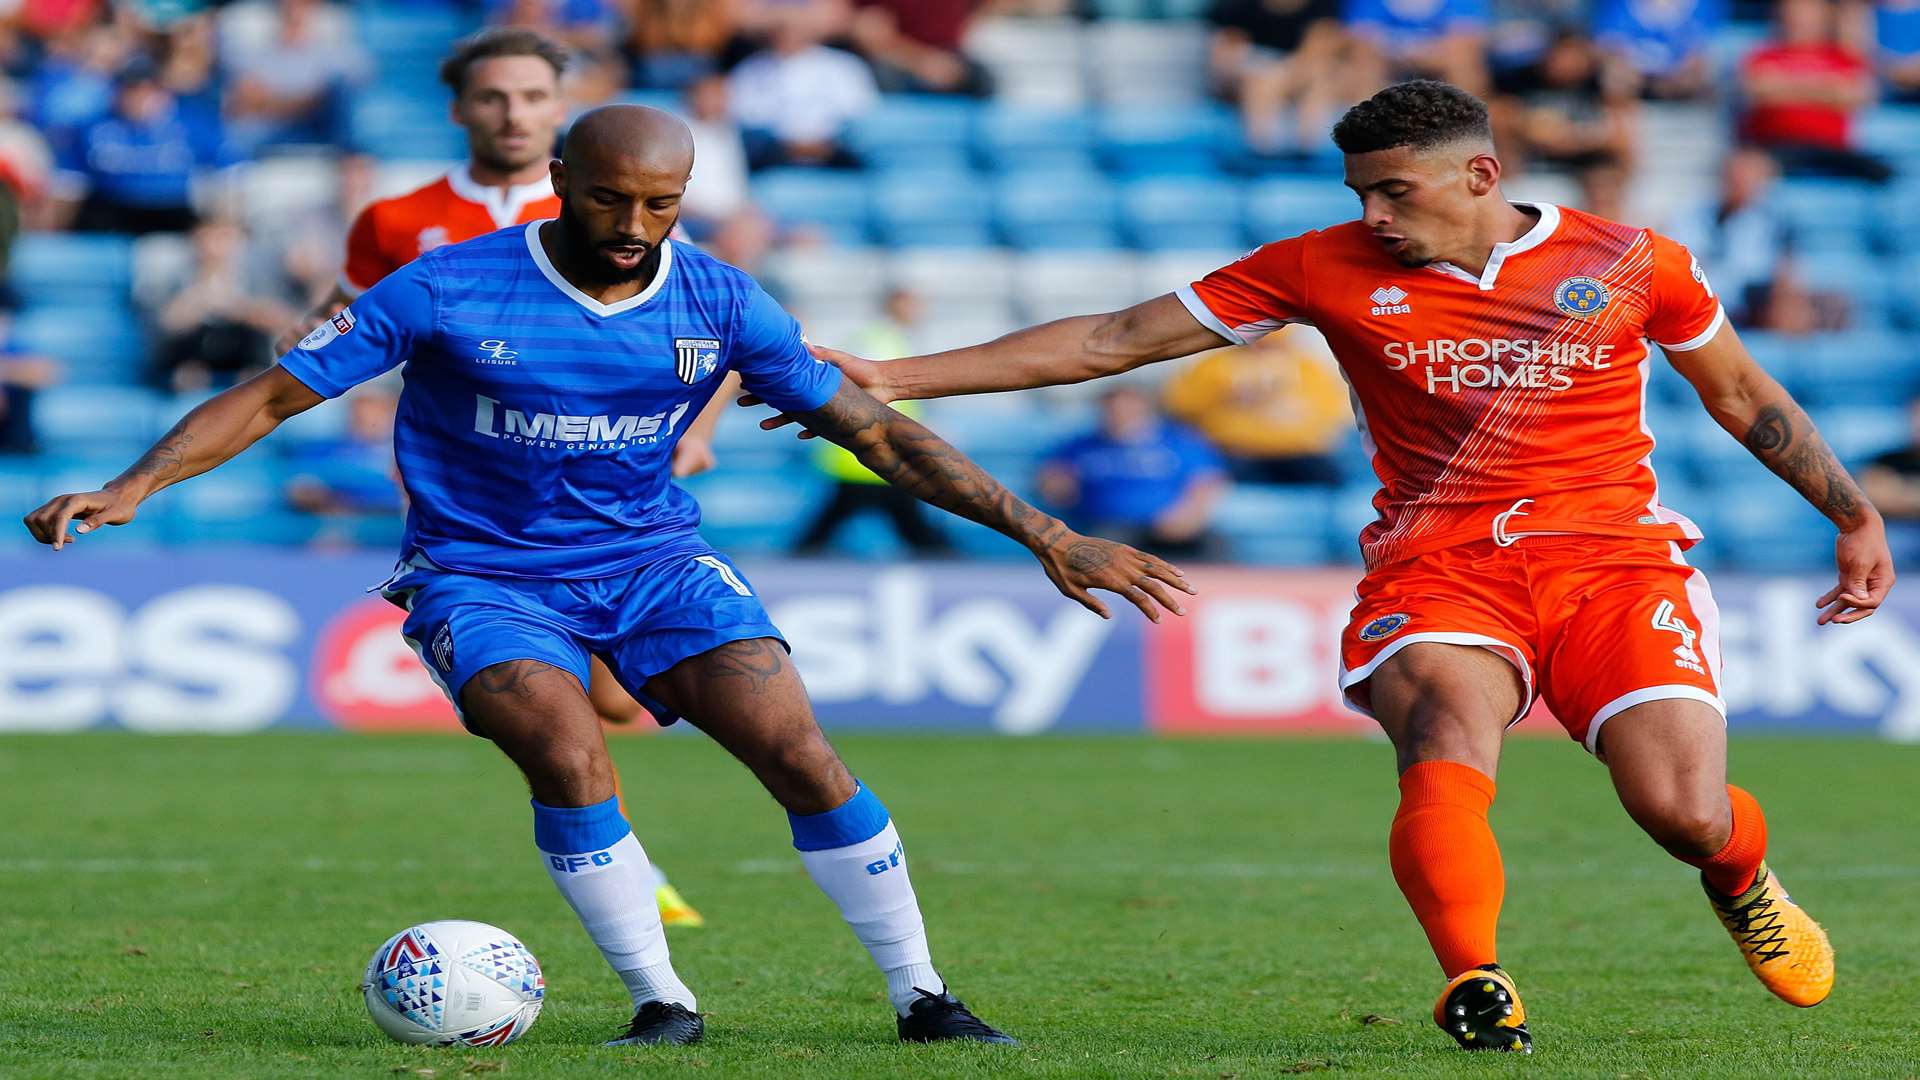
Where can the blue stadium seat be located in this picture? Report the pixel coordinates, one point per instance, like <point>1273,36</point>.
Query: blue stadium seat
<point>405,125</point>
<point>104,345</point>
<point>72,269</point>
<point>1058,210</point>
<point>1828,215</point>
<point>1282,526</point>
<point>1769,528</point>
<point>1165,141</point>
<point>1183,213</point>
<point>1893,132</point>
<point>1854,367</point>
<point>756,511</point>
<point>1279,208</point>
<point>123,417</point>
<point>1859,432</point>
<point>835,202</point>
<point>916,131</point>
<point>1014,138</point>
<point>922,208</point>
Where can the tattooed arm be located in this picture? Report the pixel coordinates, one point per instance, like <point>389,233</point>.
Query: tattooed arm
<point>908,456</point>
<point>215,431</point>
<point>1757,410</point>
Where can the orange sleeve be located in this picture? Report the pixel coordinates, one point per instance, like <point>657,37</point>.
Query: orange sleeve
<point>366,263</point>
<point>1684,313</point>
<point>1259,293</point>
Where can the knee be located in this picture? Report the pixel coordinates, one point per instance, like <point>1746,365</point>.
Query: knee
<point>568,773</point>
<point>1686,825</point>
<point>806,776</point>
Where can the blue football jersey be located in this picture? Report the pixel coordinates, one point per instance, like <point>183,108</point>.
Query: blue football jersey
<point>536,428</point>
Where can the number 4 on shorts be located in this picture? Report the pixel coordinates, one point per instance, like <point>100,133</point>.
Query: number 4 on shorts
<point>733,580</point>
<point>1665,618</point>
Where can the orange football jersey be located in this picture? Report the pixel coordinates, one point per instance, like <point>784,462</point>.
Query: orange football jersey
<point>1501,405</point>
<point>391,233</point>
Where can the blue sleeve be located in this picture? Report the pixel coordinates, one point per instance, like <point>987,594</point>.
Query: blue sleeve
<point>371,336</point>
<point>1198,457</point>
<point>772,360</point>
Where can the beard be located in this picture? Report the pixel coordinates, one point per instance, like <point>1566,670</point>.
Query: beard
<point>593,261</point>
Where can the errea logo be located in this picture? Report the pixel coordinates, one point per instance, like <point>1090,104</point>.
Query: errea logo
<point>1390,300</point>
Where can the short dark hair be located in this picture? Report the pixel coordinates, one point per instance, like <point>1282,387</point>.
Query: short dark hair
<point>488,44</point>
<point>1423,113</point>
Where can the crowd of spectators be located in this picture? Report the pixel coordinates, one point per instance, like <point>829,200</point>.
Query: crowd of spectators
<point>124,117</point>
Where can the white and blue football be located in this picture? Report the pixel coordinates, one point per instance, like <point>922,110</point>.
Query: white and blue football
<point>454,983</point>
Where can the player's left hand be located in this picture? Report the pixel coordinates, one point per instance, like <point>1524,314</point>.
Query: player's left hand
<point>691,457</point>
<point>1079,564</point>
<point>1866,573</point>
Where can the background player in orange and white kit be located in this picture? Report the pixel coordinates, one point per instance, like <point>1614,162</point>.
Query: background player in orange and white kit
<point>506,94</point>
<point>1498,361</point>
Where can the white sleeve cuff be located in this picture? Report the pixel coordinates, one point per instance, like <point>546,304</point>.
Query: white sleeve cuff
<point>1199,310</point>
<point>1704,336</point>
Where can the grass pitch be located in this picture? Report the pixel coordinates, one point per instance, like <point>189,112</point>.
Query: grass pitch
<point>1128,907</point>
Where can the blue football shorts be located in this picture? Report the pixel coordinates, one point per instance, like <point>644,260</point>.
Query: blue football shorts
<point>641,622</point>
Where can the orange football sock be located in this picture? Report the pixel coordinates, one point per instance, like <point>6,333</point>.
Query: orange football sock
<point>1447,863</point>
<point>1731,869</point>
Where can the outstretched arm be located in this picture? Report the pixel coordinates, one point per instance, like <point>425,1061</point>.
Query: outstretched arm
<point>908,456</point>
<point>1052,354</point>
<point>327,308</point>
<point>1757,410</point>
<point>213,432</point>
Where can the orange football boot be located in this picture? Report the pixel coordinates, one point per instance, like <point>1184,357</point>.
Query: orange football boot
<point>1785,948</point>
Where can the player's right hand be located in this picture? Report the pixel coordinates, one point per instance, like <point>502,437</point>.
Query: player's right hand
<point>86,511</point>
<point>866,374</point>
<point>1079,564</point>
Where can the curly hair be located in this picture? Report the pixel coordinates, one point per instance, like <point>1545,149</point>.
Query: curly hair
<point>488,44</point>
<point>1422,113</point>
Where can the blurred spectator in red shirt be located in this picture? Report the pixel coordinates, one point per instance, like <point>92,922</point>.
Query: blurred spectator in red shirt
<point>1803,89</point>
<point>1280,57</point>
<point>914,45</point>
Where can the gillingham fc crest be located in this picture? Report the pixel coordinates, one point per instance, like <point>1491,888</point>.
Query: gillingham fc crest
<point>1581,296</point>
<point>1385,626</point>
<point>695,358</point>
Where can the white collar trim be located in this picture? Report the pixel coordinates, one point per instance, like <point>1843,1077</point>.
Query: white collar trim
<point>539,253</point>
<point>503,204</point>
<point>1532,238</point>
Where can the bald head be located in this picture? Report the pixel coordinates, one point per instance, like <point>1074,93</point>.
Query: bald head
<point>625,137</point>
<point>620,179</point>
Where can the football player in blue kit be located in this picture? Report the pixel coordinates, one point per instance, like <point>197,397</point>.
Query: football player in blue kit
<point>549,368</point>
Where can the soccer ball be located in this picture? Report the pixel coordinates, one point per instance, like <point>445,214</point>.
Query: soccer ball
<point>453,983</point>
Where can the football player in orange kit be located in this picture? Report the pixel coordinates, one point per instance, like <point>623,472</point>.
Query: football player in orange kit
<point>506,94</point>
<point>1497,355</point>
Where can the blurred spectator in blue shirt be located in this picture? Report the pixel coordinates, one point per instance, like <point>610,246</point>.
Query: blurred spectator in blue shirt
<point>795,99</point>
<point>292,64</point>
<point>1663,43</point>
<point>1283,62</point>
<point>21,376</point>
<point>1138,478</point>
<point>1896,29</point>
<point>354,472</point>
<point>1442,39</point>
<point>72,85</point>
<point>136,166</point>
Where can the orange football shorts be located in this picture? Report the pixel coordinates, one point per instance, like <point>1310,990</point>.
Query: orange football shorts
<point>1594,624</point>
